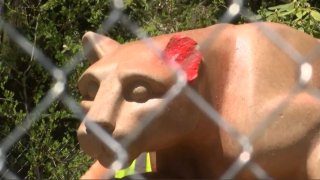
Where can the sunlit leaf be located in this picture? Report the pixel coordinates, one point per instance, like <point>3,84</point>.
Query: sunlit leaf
<point>288,6</point>
<point>286,13</point>
<point>315,14</point>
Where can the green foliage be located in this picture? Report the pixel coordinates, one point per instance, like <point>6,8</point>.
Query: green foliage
<point>49,150</point>
<point>298,14</point>
<point>159,17</point>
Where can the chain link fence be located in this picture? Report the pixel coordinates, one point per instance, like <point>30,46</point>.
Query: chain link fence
<point>58,92</point>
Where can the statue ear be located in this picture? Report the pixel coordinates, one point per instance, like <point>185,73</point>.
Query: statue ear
<point>96,46</point>
<point>185,52</point>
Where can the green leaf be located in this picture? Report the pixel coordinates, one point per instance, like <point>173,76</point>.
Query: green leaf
<point>258,17</point>
<point>288,6</point>
<point>286,13</point>
<point>269,13</point>
<point>315,14</point>
<point>301,29</point>
<point>300,14</point>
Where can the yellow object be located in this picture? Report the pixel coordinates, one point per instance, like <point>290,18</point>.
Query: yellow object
<point>148,163</point>
<point>126,172</point>
<point>131,169</point>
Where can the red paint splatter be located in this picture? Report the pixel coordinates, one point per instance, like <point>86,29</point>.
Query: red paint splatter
<point>184,51</point>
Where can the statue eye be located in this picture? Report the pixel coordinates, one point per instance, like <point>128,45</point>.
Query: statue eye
<point>139,92</point>
<point>140,88</point>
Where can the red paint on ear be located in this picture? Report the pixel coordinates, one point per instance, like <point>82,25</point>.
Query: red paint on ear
<point>184,51</point>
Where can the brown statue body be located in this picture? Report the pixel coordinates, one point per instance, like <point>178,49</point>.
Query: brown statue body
<point>244,76</point>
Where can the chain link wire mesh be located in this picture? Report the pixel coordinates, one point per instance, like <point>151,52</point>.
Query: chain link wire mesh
<point>58,93</point>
